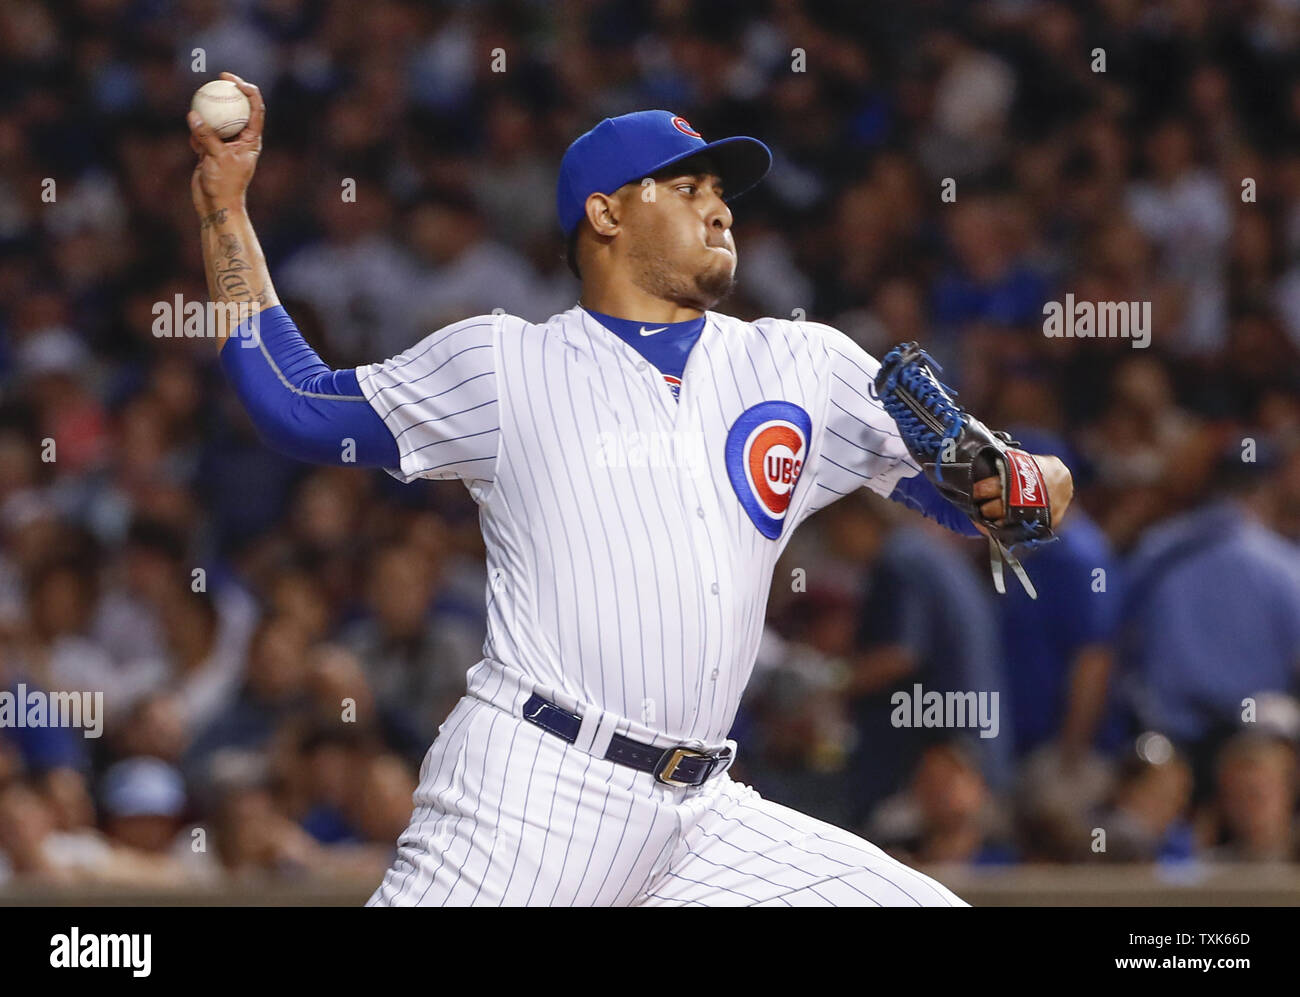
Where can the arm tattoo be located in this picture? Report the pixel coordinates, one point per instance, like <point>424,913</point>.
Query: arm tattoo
<point>231,269</point>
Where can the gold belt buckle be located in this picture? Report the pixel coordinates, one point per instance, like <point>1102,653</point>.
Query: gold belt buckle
<point>667,768</point>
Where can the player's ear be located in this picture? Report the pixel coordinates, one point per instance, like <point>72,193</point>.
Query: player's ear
<point>603,213</point>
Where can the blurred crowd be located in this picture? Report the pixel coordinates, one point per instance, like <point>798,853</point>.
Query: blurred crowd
<point>277,644</point>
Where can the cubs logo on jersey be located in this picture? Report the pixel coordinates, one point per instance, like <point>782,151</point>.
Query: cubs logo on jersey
<point>765,451</point>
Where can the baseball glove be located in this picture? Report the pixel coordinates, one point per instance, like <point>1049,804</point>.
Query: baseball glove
<point>955,450</point>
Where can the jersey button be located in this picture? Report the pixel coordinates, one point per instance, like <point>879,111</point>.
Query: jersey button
<point>699,511</point>
<point>714,588</point>
<point>714,675</point>
<point>642,365</point>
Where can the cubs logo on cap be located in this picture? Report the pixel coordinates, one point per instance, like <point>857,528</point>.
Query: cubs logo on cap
<point>684,126</point>
<point>765,452</point>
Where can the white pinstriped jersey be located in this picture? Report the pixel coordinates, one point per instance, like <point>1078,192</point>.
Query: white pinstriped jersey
<point>631,538</point>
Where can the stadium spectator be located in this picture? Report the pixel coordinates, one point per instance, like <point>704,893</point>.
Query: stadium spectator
<point>1212,614</point>
<point>1256,800</point>
<point>946,814</point>
<point>415,656</point>
<point>1147,818</point>
<point>1060,647</point>
<point>927,620</point>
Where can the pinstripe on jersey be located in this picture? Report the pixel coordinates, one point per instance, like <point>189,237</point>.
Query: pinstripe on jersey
<point>637,587</point>
<point>439,400</point>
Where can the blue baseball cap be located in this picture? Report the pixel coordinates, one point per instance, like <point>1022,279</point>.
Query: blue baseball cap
<point>633,146</point>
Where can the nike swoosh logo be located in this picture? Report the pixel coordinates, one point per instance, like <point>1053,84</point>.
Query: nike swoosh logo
<point>651,332</point>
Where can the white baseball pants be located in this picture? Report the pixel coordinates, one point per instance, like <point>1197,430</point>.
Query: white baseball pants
<point>509,814</point>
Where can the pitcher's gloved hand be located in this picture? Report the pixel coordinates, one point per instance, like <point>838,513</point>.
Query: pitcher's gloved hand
<point>1007,492</point>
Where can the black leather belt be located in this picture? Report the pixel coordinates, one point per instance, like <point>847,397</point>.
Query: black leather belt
<point>677,766</point>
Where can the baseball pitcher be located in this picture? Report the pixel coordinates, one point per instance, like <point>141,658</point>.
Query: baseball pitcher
<point>639,462</point>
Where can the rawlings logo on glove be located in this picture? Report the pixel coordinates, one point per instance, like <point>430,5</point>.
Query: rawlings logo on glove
<point>1027,487</point>
<point>955,450</point>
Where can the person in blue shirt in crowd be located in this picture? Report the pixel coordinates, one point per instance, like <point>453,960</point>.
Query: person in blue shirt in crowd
<point>926,618</point>
<point>1212,614</point>
<point>1059,650</point>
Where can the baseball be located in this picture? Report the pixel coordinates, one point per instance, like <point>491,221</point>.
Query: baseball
<point>223,106</point>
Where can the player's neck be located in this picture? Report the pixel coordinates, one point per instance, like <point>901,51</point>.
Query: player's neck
<point>631,303</point>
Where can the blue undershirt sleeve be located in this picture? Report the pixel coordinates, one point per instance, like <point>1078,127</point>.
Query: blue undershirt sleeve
<point>300,406</point>
<point>918,492</point>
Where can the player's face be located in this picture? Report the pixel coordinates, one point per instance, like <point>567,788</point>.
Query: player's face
<point>681,243</point>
